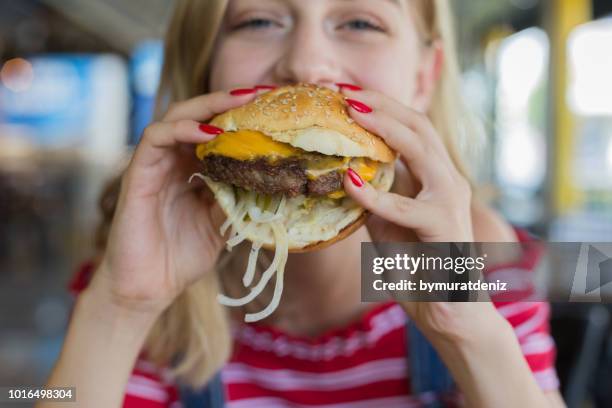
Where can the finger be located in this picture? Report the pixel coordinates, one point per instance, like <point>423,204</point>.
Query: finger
<point>160,136</point>
<point>395,208</point>
<point>204,107</point>
<point>416,121</point>
<point>418,157</point>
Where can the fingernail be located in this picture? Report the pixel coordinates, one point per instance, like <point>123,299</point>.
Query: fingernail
<point>265,87</point>
<point>355,178</point>
<point>359,106</point>
<point>350,87</point>
<point>243,91</point>
<point>210,129</point>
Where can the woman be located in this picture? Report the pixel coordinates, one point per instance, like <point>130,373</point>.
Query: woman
<point>153,290</point>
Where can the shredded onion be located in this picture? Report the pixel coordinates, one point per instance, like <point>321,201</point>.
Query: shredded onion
<point>196,175</point>
<point>262,219</point>
<point>238,214</point>
<point>240,236</point>
<point>280,236</point>
<point>265,278</point>
<point>250,272</point>
<point>259,216</point>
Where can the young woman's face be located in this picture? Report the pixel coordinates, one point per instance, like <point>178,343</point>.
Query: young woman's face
<point>371,43</point>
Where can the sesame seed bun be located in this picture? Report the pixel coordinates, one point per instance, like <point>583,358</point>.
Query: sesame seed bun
<point>308,117</point>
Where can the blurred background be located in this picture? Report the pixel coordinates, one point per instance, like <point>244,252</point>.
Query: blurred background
<point>77,84</point>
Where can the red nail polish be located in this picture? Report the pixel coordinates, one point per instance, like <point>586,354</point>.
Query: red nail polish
<point>210,129</point>
<point>350,87</point>
<point>355,178</point>
<point>243,91</point>
<point>359,106</point>
<point>265,87</point>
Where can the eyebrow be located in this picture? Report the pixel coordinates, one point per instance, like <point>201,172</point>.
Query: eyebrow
<point>396,2</point>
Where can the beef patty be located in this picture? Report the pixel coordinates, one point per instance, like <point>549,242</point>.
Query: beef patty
<point>285,176</point>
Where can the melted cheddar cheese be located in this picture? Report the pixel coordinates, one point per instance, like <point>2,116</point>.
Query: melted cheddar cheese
<point>336,195</point>
<point>245,145</point>
<point>365,167</point>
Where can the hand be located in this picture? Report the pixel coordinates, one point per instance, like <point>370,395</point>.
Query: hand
<point>438,209</point>
<point>164,234</point>
<point>431,202</point>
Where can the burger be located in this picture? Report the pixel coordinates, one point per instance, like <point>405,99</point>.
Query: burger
<point>277,172</point>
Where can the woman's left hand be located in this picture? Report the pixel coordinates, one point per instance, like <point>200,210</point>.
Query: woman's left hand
<point>441,209</point>
<point>431,200</point>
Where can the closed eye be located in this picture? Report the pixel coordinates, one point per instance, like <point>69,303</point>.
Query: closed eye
<point>256,24</point>
<point>362,25</point>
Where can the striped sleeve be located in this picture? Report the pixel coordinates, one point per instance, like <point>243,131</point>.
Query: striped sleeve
<point>150,387</point>
<point>530,323</point>
<point>530,319</point>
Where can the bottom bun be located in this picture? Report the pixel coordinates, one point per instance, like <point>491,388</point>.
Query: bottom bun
<point>311,223</point>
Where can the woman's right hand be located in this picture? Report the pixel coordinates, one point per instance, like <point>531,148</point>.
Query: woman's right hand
<point>164,233</point>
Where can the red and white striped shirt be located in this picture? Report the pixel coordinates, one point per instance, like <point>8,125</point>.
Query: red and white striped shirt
<point>361,365</point>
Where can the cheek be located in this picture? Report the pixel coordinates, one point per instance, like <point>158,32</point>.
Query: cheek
<point>394,77</point>
<point>235,65</point>
<point>390,70</point>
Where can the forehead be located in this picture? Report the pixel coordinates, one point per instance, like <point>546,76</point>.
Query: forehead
<point>398,3</point>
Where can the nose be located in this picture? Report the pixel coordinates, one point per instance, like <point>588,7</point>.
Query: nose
<point>308,57</point>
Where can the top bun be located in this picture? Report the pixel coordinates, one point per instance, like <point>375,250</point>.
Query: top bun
<point>308,117</point>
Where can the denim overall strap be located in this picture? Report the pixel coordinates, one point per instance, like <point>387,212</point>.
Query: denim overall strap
<point>210,396</point>
<point>429,376</point>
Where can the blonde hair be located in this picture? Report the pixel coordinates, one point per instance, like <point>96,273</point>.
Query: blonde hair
<point>193,335</point>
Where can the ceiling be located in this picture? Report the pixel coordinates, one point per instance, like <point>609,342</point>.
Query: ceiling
<point>122,23</point>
